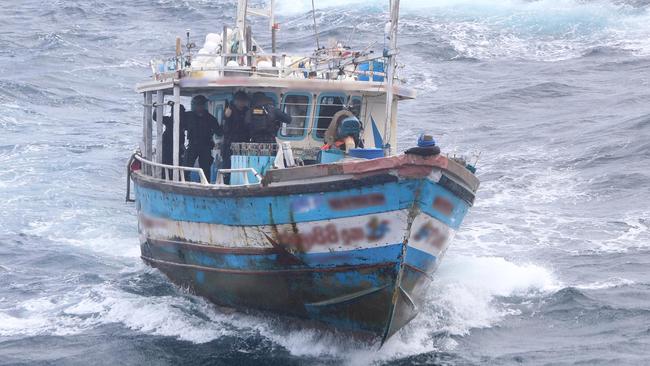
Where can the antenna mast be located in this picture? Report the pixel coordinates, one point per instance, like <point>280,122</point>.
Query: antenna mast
<point>391,53</point>
<point>243,10</point>
<point>313,15</point>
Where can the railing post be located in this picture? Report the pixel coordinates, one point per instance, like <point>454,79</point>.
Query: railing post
<point>177,129</point>
<point>282,65</point>
<point>225,49</point>
<point>147,134</point>
<point>160,109</point>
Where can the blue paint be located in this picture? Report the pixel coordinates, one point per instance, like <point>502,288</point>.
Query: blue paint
<point>429,192</point>
<point>254,211</point>
<point>420,259</point>
<point>260,163</point>
<point>379,141</point>
<point>200,277</point>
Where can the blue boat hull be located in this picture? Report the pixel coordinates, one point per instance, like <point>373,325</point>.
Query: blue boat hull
<point>356,255</point>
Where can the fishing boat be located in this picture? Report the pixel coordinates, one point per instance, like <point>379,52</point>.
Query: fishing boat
<point>349,240</point>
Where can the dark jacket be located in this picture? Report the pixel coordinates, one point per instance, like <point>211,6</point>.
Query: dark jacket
<point>201,128</point>
<point>263,122</point>
<point>234,128</point>
<point>168,137</point>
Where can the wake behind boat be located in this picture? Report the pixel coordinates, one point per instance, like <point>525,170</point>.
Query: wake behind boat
<point>324,221</point>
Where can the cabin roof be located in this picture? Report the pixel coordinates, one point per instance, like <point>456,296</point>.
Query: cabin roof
<point>190,84</point>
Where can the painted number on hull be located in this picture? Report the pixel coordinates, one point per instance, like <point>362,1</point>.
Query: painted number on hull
<point>330,234</point>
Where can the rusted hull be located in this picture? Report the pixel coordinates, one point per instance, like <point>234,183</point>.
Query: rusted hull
<point>356,253</point>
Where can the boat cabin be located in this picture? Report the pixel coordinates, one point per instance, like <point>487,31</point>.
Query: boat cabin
<point>312,90</point>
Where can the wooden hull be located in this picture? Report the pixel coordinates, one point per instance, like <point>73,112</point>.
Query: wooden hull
<point>355,251</point>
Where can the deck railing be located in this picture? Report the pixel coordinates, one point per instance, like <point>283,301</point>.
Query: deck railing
<point>148,169</point>
<point>317,67</point>
<point>164,171</point>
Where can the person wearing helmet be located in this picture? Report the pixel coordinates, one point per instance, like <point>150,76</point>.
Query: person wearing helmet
<point>234,129</point>
<point>263,120</point>
<point>201,126</point>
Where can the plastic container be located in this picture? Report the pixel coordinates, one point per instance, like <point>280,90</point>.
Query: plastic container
<point>330,156</point>
<point>260,163</point>
<point>367,153</point>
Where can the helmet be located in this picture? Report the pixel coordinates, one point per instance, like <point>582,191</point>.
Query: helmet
<point>199,100</point>
<point>260,98</point>
<point>241,95</point>
<point>349,126</point>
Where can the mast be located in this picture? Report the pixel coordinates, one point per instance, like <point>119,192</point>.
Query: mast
<point>240,26</point>
<point>391,53</point>
<point>243,10</point>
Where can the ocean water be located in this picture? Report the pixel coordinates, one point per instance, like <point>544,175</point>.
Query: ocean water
<point>552,266</point>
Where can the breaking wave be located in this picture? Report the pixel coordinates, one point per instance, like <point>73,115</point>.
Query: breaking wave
<point>463,297</point>
<point>546,30</point>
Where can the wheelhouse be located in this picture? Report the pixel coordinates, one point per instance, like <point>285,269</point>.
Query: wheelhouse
<point>310,89</point>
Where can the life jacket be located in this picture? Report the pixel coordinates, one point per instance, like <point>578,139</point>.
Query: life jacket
<point>337,144</point>
<point>341,144</point>
<point>261,123</point>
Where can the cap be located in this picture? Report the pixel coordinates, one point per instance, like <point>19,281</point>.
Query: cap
<point>425,140</point>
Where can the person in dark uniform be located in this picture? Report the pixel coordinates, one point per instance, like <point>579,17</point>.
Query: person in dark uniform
<point>263,120</point>
<point>168,139</point>
<point>234,128</point>
<point>201,126</point>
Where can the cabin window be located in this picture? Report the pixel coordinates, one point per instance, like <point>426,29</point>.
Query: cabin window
<point>328,106</point>
<point>297,106</point>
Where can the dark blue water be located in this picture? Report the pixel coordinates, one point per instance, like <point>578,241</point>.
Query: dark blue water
<point>552,265</point>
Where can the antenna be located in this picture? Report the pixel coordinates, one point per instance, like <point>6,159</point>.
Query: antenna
<point>313,14</point>
<point>390,53</point>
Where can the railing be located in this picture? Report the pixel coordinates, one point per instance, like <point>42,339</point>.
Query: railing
<point>318,67</point>
<point>147,165</point>
<point>147,169</point>
<point>243,171</point>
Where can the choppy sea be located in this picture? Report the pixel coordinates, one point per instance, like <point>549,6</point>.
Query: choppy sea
<point>552,266</point>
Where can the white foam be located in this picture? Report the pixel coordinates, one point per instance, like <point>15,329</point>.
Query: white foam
<point>462,298</point>
<point>603,285</point>
<point>634,234</point>
<point>173,316</point>
<point>546,30</point>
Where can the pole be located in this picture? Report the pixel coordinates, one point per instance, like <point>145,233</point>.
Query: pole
<point>242,8</point>
<point>274,34</point>
<point>313,14</point>
<point>147,126</point>
<point>274,49</point>
<point>249,45</point>
<point>390,73</point>
<point>160,110</point>
<point>179,64</point>
<point>177,129</point>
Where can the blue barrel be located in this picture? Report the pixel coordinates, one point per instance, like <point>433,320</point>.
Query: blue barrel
<point>367,153</point>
